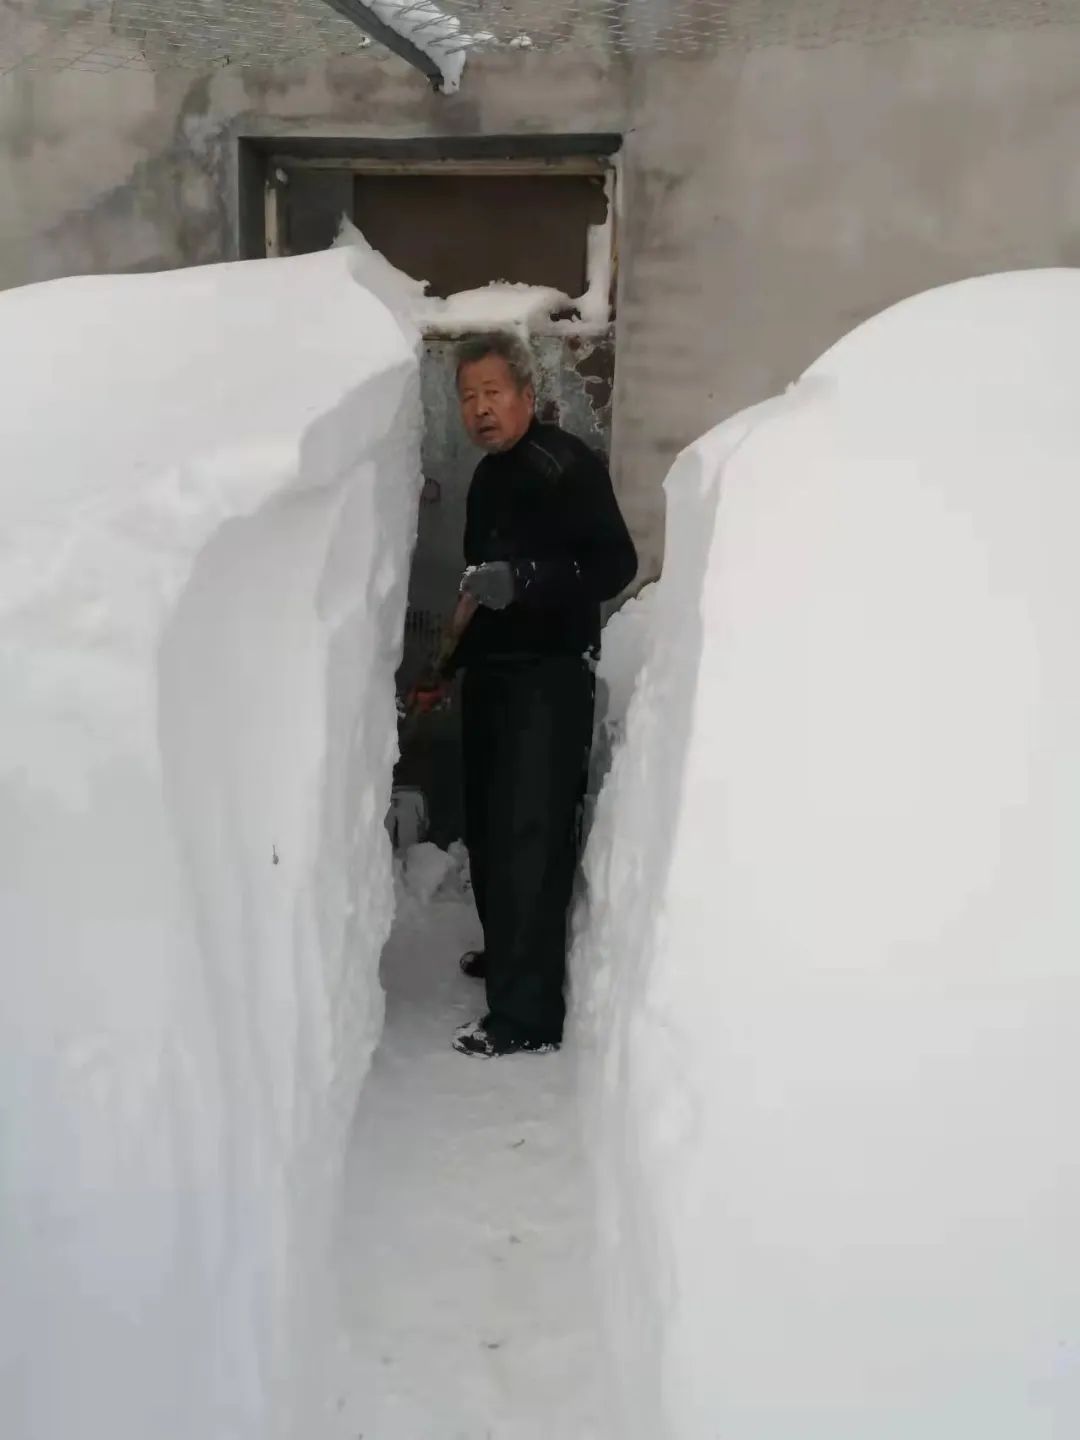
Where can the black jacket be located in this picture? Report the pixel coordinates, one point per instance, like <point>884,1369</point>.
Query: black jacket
<point>547,506</point>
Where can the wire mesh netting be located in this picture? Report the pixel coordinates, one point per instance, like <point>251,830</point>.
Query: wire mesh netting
<point>105,35</point>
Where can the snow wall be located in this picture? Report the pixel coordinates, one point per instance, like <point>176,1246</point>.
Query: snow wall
<point>208,490</point>
<point>624,646</point>
<point>828,976</point>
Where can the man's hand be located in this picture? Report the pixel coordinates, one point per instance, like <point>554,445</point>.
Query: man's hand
<point>493,585</point>
<point>428,694</point>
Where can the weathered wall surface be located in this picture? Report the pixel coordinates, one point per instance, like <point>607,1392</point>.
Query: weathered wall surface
<point>137,171</point>
<point>772,199</point>
<point>775,200</point>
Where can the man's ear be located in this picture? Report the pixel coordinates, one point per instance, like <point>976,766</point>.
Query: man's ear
<point>530,395</point>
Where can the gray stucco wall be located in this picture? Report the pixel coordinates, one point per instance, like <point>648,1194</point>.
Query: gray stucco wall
<point>776,200</point>
<point>771,199</point>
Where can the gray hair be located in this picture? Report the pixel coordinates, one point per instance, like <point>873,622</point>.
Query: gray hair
<point>503,344</point>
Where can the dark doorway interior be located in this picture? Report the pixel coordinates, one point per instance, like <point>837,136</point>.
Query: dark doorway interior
<point>460,232</point>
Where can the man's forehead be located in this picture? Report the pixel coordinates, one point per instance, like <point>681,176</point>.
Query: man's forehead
<point>487,362</point>
<point>488,367</point>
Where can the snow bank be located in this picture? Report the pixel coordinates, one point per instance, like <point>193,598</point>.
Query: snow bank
<point>831,967</point>
<point>425,869</point>
<point>399,291</point>
<point>624,647</point>
<point>425,873</point>
<point>208,485</point>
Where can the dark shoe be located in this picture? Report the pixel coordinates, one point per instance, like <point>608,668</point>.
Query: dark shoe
<point>476,1039</point>
<point>474,965</point>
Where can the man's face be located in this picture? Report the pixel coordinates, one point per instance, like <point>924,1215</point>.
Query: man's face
<point>495,411</point>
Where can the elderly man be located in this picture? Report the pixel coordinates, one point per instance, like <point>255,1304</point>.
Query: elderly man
<point>545,544</point>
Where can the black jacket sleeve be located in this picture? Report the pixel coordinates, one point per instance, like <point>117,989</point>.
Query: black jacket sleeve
<point>603,560</point>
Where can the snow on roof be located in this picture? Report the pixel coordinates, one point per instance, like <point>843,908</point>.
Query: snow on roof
<point>432,30</point>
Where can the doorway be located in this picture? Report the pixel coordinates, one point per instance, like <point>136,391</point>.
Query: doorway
<point>460,214</point>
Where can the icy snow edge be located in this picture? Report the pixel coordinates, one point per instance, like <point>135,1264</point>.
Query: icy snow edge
<point>502,305</point>
<point>435,34</point>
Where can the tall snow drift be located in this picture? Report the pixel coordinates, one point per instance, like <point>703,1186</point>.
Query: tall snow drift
<point>208,484</point>
<point>831,964</point>
<point>624,645</point>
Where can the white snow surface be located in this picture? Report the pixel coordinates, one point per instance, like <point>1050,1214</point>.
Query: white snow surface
<point>425,870</point>
<point>828,975</point>
<point>398,291</point>
<point>595,305</point>
<point>502,305</point>
<point>624,647</point>
<point>498,306</point>
<point>466,1254</point>
<point>208,486</point>
<point>433,31</point>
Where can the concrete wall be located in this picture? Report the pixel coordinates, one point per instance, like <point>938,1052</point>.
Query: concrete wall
<point>772,198</point>
<point>777,199</point>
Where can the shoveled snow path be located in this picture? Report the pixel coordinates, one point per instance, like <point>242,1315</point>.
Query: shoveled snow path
<point>466,1262</point>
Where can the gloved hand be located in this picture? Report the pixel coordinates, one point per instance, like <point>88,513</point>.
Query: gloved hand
<point>493,584</point>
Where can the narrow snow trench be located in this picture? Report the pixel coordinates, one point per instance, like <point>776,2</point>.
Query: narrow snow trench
<point>466,1260</point>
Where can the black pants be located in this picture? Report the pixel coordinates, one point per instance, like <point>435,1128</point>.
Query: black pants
<point>526,734</point>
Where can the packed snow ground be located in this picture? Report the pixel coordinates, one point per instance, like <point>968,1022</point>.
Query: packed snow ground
<point>466,1260</point>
